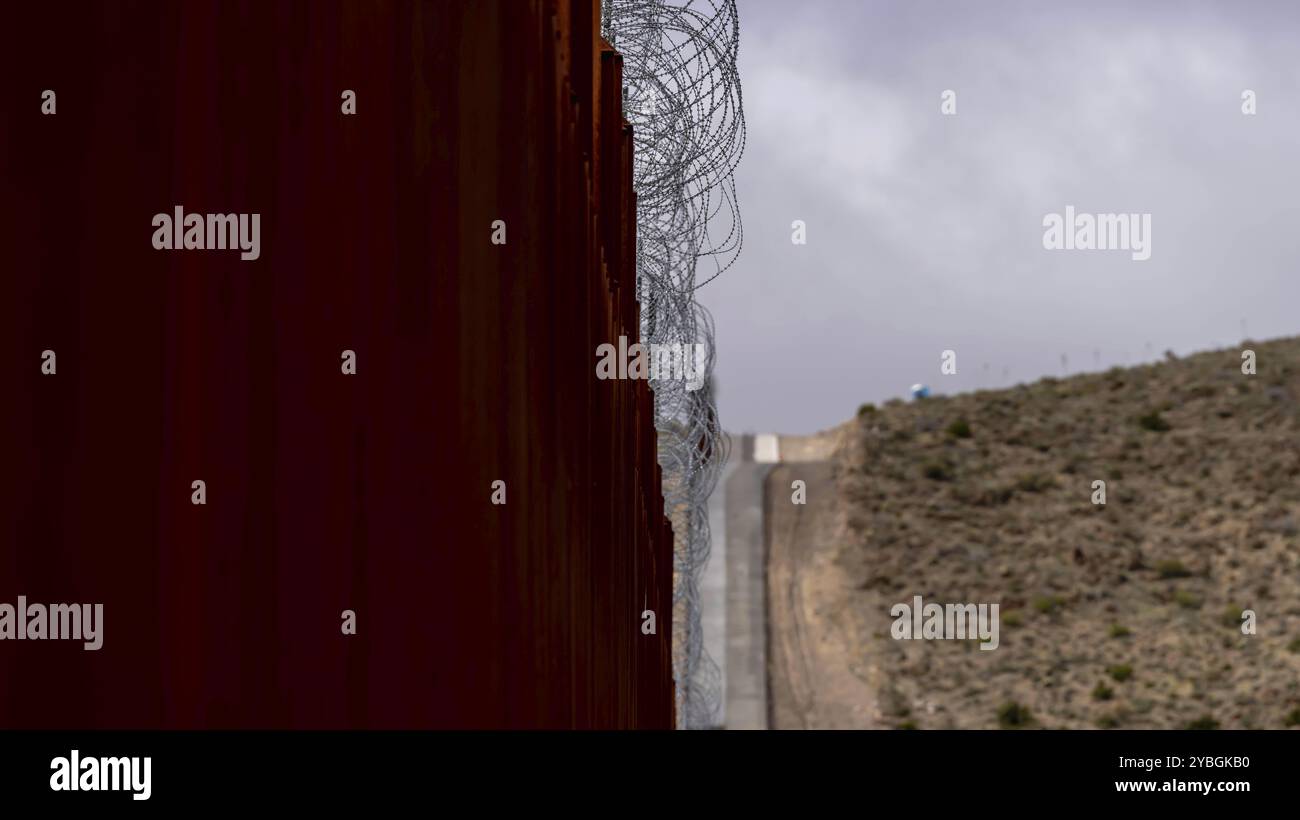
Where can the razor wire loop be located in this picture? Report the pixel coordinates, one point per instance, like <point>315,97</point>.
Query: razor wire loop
<point>682,96</point>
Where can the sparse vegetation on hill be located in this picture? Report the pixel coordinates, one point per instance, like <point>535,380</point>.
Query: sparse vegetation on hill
<point>1122,615</point>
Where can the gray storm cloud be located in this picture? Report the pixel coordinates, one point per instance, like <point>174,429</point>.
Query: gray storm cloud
<point>924,231</point>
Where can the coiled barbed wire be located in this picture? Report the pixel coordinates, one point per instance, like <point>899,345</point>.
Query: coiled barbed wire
<point>681,93</point>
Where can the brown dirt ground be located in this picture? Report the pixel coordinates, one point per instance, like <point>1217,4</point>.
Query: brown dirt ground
<point>1201,522</point>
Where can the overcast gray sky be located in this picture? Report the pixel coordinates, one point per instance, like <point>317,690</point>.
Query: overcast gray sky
<point>924,231</point>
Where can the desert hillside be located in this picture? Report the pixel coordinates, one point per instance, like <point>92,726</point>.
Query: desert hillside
<point>1126,614</point>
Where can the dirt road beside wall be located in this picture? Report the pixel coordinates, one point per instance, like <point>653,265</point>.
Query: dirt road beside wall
<point>819,675</point>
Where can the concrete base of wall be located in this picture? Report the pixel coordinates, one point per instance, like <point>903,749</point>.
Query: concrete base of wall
<point>746,700</point>
<point>740,606</point>
<point>713,584</point>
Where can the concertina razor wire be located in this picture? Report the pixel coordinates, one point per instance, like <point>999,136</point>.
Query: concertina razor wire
<point>681,94</point>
